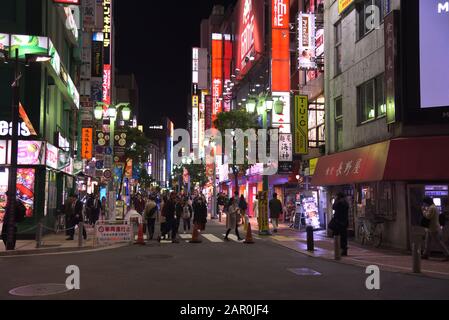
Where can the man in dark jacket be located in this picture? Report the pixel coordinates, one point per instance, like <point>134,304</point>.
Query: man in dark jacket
<point>76,218</point>
<point>341,216</point>
<point>275,212</point>
<point>170,215</point>
<point>200,213</point>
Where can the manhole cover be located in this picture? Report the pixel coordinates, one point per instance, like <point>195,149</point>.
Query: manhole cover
<point>39,290</point>
<point>305,272</point>
<point>155,257</point>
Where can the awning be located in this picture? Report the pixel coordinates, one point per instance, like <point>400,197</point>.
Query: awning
<point>407,159</point>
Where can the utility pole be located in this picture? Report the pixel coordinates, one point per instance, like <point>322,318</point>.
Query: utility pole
<point>12,182</point>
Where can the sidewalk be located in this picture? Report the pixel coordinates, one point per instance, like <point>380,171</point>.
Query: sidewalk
<point>52,243</point>
<point>386,259</point>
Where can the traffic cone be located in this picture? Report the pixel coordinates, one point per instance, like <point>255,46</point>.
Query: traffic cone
<point>195,235</point>
<point>140,239</point>
<point>249,235</point>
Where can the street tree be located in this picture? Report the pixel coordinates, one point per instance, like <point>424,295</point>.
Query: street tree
<point>233,120</point>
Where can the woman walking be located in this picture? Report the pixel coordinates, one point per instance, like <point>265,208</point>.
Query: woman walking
<point>232,219</point>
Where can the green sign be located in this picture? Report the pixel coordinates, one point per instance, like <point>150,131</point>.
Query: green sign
<point>28,45</point>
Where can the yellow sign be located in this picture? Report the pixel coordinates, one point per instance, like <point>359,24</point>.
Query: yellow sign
<point>195,101</point>
<point>301,125</point>
<point>262,220</point>
<point>343,5</point>
<point>312,165</point>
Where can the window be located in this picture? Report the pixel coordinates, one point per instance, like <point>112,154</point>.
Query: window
<point>339,124</point>
<point>371,99</point>
<point>317,123</point>
<point>338,49</point>
<point>366,19</point>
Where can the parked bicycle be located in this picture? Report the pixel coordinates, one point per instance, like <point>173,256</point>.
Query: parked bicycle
<point>370,231</point>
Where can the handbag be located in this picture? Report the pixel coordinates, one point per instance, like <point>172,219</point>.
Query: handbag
<point>333,225</point>
<point>425,223</point>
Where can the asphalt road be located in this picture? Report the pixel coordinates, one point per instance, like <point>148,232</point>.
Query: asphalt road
<point>209,271</point>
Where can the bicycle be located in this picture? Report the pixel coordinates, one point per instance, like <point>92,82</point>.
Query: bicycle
<point>60,223</point>
<point>370,231</point>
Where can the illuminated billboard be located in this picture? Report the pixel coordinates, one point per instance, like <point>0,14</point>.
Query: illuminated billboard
<point>434,53</point>
<point>217,74</point>
<point>306,41</point>
<point>250,36</point>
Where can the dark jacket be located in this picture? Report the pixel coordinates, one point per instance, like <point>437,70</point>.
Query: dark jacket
<point>200,213</point>
<point>169,210</point>
<point>275,208</point>
<point>243,205</point>
<point>341,208</point>
<point>179,209</point>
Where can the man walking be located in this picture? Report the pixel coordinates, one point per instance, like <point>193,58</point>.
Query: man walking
<point>433,232</point>
<point>76,218</point>
<point>275,212</point>
<point>151,212</point>
<point>341,208</point>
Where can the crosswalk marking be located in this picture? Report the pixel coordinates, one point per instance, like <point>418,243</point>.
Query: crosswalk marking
<point>212,238</point>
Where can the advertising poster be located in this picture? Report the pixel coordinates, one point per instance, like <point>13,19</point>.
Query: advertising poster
<point>30,153</point>
<point>52,156</point>
<point>301,125</point>
<point>25,189</point>
<point>4,41</point>
<point>306,41</point>
<point>310,208</point>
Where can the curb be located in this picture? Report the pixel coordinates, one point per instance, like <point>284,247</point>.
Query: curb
<point>360,264</point>
<point>38,252</point>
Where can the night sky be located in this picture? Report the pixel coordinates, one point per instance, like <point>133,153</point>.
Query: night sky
<point>154,41</point>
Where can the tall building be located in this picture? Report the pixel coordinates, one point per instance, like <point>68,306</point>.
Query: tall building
<point>127,90</point>
<point>387,124</point>
<point>49,96</point>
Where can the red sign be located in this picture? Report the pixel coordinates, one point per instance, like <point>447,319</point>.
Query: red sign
<point>217,74</point>
<point>250,35</point>
<point>75,2</point>
<point>280,81</point>
<point>107,84</point>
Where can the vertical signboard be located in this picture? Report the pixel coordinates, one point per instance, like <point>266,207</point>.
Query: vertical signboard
<point>97,59</point>
<point>306,41</point>
<point>195,65</point>
<point>280,64</point>
<point>208,113</point>
<point>391,56</point>
<point>88,10</point>
<point>217,74</point>
<point>86,143</point>
<point>301,125</point>
<point>107,52</point>
<point>227,66</point>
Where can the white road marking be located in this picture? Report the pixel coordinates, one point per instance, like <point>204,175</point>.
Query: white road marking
<point>212,238</point>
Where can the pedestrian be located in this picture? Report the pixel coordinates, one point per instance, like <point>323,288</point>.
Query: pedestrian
<point>20,214</point>
<point>76,218</point>
<point>104,209</point>
<point>170,216</point>
<point>68,211</point>
<point>96,209</point>
<point>200,213</point>
<point>243,206</point>
<point>187,216</point>
<point>151,213</point>
<point>179,209</point>
<point>275,211</point>
<point>433,229</point>
<point>163,220</point>
<point>341,221</point>
<point>233,214</point>
<point>139,204</point>
<point>89,209</point>
<point>256,207</point>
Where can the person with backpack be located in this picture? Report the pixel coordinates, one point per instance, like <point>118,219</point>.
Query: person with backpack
<point>20,214</point>
<point>187,214</point>
<point>151,213</point>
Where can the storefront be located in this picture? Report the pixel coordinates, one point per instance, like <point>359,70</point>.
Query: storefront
<point>388,180</point>
<point>43,178</point>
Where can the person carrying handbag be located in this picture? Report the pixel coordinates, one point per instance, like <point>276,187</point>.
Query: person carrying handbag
<point>433,229</point>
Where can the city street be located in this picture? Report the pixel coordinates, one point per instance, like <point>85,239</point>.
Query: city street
<point>210,270</point>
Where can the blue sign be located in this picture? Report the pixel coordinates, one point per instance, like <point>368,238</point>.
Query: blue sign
<point>108,151</point>
<point>99,165</point>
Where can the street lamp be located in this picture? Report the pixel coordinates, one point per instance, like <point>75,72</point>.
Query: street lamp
<point>12,181</point>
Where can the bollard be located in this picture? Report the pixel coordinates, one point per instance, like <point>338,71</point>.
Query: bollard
<point>337,249</point>
<point>80,236</point>
<point>39,236</point>
<point>416,253</point>
<point>310,239</point>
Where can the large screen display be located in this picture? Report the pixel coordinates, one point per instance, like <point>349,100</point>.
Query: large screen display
<point>434,53</point>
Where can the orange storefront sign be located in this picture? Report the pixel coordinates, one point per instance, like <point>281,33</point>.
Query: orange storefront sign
<point>87,143</point>
<point>217,75</point>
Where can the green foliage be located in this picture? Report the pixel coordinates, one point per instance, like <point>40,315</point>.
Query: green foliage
<point>197,174</point>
